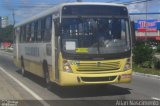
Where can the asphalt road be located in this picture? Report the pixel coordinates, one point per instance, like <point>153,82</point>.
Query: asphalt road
<point>30,90</point>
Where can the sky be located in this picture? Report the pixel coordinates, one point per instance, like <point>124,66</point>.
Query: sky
<point>26,8</point>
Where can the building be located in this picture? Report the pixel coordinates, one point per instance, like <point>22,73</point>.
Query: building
<point>3,21</point>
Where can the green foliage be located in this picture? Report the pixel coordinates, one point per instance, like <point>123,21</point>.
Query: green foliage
<point>6,34</point>
<point>142,54</point>
<point>139,69</point>
<point>156,62</point>
<point>147,64</point>
<point>158,49</point>
<point>157,65</point>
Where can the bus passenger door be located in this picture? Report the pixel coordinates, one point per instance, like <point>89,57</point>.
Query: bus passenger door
<point>55,50</point>
<point>57,58</point>
<point>16,45</point>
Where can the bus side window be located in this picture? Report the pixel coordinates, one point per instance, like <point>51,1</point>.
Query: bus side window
<point>42,29</point>
<point>17,32</point>
<point>21,34</point>
<point>28,33</point>
<point>24,34</point>
<point>32,37</point>
<point>48,29</point>
<point>35,30</point>
<point>39,35</point>
<point>32,32</point>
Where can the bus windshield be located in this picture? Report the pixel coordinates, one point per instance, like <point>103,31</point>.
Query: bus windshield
<point>95,35</point>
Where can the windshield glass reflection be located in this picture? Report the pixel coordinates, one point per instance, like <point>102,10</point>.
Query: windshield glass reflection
<point>98,35</point>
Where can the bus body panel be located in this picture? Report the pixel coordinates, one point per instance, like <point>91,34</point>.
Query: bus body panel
<point>35,54</point>
<point>70,79</point>
<point>76,78</point>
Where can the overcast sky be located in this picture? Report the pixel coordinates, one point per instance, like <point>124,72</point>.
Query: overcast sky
<point>26,8</point>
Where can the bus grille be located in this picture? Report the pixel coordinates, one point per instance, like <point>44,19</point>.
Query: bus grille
<point>95,79</point>
<point>103,66</point>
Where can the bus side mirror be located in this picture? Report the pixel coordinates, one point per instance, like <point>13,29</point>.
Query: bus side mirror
<point>133,34</point>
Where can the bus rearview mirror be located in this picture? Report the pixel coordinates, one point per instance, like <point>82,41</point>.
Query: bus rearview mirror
<point>133,35</point>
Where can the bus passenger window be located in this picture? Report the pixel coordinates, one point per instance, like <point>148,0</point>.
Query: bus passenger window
<point>28,33</point>
<point>18,33</point>
<point>21,34</point>
<point>24,33</point>
<point>42,28</point>
<point>39,31</point>
<point>32,38</point>
<point>48,29</point>
<point>35,30</point>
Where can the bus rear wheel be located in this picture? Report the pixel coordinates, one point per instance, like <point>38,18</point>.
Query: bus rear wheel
<point>23,72</point>
<point>47,77</point>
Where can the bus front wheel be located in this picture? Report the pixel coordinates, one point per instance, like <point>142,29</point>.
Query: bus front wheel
<point>23,72</point>
<point>46,76</point>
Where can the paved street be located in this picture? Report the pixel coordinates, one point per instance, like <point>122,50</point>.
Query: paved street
<point>32,88</point>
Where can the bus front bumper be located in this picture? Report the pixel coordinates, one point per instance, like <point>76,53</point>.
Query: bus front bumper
<point>72,79</point>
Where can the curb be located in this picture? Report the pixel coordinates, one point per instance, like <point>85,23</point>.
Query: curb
<point>147,75</point>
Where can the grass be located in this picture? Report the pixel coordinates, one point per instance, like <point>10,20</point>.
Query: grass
<point>140,69</point>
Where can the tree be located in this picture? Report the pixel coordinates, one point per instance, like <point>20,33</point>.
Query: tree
<point>142,53</point>
<point>6,34</point>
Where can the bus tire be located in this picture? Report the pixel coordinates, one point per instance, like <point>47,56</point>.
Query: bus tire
<point>23,72</point>
<point>46,76</point>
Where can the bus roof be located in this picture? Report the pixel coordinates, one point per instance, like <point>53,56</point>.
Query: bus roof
<point>58,7</point>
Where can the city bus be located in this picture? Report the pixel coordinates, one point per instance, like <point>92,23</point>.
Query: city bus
<point>79,43</point>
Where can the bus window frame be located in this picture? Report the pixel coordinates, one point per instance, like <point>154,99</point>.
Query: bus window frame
<point>42,29</point>
<point>35,30</point>
<point>39,34</point>
<point>32,32</point>
<point>48,29</point>
<point>28,32</point>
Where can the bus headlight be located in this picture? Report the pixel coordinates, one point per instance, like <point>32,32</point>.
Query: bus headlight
<point>128,65</point>
<point>66,66</point>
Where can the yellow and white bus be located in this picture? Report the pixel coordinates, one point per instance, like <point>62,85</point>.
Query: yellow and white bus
<point>76,44</point>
